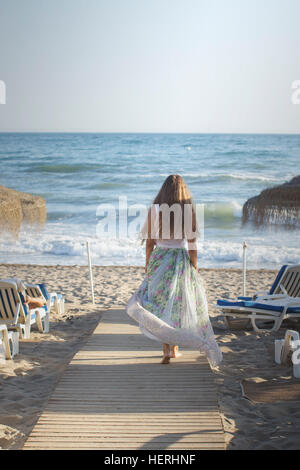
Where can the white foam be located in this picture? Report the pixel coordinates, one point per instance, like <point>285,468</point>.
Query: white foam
<point>211,176</point>
<point>58,248</point>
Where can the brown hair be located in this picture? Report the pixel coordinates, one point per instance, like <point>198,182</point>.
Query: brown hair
<point>174,191</point>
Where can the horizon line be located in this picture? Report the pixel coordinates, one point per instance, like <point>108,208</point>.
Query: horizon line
<point>151,133</point>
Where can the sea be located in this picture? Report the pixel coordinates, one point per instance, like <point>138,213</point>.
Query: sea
<point>78,172</point>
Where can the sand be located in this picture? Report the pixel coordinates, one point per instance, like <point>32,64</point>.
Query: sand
<point>27,382</point>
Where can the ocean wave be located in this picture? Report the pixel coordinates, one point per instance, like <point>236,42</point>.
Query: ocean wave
<point>64,168</point>
<point>213,211</point>
<point>46,248</point>
<point>259,255</point>
<point>224,210</point>
<point>214,177</point>
<point>58,216</point>
<point>250,177</point>
<point>132,142</point>
<point>109,185</point>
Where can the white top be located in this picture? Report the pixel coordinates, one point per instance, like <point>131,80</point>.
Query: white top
<point>171,243</point>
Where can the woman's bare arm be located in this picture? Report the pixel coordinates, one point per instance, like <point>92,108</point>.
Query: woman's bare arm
<point>149,248</point>
<point>192,248</point>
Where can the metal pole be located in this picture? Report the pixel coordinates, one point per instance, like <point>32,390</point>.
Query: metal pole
<point>91,272</point>
<point>245,246</point>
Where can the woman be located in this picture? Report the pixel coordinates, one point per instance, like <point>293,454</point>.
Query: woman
<point>170,305</point>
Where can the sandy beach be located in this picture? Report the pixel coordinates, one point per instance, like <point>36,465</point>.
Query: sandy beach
<point>191,109</point>
<point>27,382</point>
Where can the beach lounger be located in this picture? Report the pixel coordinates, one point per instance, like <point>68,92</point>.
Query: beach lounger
<point>285,349</point>
<point>52,298</point>
<point>16,315</point>
<point>280,303</point>
<point>9,343</point>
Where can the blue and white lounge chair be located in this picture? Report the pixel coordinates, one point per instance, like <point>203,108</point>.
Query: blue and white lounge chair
<point>9,343</point>
<point>280,303</point>
<point>52,298</point>
<point>16,315</point>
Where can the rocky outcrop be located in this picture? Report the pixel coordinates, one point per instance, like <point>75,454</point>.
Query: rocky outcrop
<point>17,208</point>
<point>279,206</point>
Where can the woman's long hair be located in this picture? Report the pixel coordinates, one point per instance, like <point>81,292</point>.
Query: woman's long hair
<point>174,191</point>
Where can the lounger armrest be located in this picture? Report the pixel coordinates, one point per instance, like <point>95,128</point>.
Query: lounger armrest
<point>293,301</point>
<point>39,310</point>
<point>270,297</point>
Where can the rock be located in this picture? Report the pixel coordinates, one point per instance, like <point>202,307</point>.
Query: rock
<point>17,207</point>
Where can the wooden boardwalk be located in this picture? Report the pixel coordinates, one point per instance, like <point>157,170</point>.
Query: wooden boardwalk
<point>115,394</point>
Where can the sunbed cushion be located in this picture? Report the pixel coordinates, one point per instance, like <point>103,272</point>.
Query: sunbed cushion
<point>230,303</point>
<point>257,305</point>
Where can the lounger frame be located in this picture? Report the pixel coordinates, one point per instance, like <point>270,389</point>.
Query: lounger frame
<point>286,288</point>
<point>34,290</point>
<point>10,342</point>
<point>13,314</point>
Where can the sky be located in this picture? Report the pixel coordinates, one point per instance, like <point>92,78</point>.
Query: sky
<point>191,66</point>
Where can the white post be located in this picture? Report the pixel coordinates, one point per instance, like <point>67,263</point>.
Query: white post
<point>91,272</point>
<point>245,246</point>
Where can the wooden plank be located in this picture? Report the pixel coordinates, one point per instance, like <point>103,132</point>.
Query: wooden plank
<point>115,394</point>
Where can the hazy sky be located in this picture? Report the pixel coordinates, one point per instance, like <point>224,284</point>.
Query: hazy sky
<point>150,65</point>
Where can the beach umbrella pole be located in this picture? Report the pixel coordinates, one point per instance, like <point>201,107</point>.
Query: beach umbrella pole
<point>245,246</point>
<point>90,269</point>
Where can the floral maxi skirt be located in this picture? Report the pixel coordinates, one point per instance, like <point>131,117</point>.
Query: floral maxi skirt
<point>170,304</point>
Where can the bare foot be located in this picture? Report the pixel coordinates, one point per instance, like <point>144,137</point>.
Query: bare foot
<point>175,353</point>
<point>166,356</point>
<point>165,360</point>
